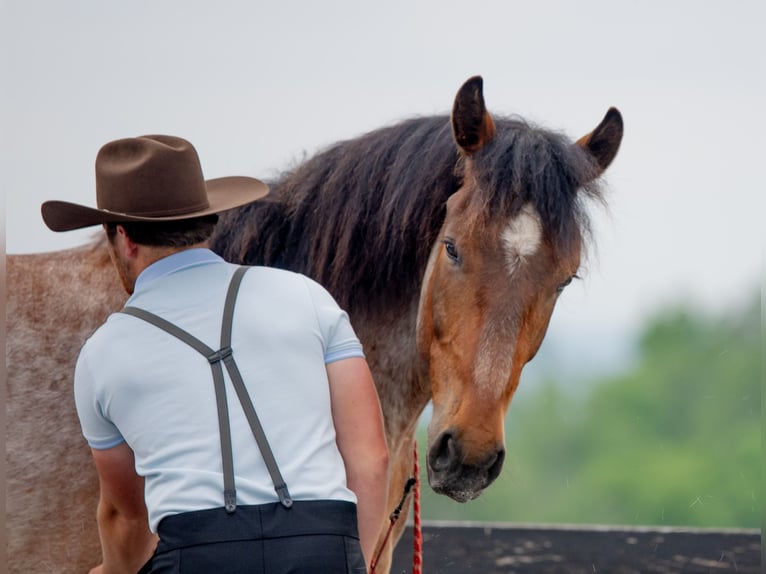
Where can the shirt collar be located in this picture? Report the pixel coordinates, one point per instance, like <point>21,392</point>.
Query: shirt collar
<point>175,262</point>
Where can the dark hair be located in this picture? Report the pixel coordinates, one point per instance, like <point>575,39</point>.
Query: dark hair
<point>361,216</point>
<point>180,233</point>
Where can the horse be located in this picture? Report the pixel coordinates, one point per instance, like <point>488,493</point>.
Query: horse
<point>447,239</point>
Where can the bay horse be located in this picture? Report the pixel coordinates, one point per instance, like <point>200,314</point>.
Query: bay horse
<point>447,239</point>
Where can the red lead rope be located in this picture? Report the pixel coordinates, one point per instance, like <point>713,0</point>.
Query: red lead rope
<point>417,545</point>
<point>417,533</point>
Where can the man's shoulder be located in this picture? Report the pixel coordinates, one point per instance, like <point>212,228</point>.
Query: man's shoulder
<point>278,284</point>
<point>276,275</point>
<point>115,325</point>
<point>102,342</point>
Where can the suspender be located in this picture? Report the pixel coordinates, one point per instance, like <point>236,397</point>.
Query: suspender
<point>224,354</point>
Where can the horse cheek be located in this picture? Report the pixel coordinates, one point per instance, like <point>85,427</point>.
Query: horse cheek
<point>536,327</point>
<point>424,329</point>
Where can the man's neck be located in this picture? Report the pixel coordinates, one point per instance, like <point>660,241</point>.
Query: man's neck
<point>149,254</point>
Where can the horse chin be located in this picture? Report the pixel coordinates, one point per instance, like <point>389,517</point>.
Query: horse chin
<point>457,492</point>
<point>458,487</point>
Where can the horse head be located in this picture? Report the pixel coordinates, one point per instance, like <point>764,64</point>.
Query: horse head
<point>510,242</point>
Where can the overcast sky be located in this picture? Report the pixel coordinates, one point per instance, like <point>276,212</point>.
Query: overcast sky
<point>257,86</point>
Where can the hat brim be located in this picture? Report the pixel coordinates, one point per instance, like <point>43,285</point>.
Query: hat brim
<point>223,194</point>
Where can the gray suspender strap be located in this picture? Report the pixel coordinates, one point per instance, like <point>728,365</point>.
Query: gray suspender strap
<point>215,358</point>
<point>242,394</point>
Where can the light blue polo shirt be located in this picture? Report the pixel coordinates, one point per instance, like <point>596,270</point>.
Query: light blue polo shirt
<point>139,384</point>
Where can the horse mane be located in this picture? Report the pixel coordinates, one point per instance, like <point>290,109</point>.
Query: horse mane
<point>358,217</point>
<point>361,216</point>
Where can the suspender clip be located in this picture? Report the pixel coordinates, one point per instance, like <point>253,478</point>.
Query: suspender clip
<point>230,501</point>
<point>284,495</point>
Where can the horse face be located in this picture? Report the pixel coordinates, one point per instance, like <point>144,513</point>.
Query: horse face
<point>487,296</point>
<point>489,292</point>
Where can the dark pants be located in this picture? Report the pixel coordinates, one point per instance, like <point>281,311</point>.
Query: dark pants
<point>312,537</point>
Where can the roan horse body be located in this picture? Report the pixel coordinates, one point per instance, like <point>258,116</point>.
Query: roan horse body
<point>447,240</point>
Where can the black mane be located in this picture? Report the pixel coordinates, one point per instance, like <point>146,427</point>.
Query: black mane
<point>361,216</point>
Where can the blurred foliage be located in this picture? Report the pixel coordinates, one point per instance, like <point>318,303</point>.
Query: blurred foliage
<point>675,440</point>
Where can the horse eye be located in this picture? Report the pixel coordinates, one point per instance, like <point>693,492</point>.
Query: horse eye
<point>449,247</point>
<point>561,287</point>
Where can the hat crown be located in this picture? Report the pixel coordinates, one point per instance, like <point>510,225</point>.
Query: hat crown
<point>150,176</point>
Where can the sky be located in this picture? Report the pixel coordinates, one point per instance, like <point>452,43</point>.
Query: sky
<point>258,86</point>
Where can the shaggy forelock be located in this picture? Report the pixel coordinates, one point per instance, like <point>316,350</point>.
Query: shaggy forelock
<point>524,165</point>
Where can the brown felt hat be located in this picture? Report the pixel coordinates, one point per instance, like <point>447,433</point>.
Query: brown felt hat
<point>152,178</point>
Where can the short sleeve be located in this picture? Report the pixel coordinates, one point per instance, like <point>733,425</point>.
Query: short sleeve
<point>97,429</point>
<point>340,340</point>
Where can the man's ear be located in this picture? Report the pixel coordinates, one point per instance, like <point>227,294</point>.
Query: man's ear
<point>127,247</point>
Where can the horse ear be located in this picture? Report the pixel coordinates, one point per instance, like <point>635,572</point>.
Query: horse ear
<point>472,126</point>
<point>603,142</point>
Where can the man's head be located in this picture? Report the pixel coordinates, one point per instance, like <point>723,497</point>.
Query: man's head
<point>153,200</point>
<point>135,245</point>
<point>179,234</point>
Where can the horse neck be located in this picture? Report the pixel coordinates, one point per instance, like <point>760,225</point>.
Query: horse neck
<point>401,376</point>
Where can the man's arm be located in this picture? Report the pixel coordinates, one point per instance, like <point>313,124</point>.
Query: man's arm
<point>362,443</point>
<point>126,541</point>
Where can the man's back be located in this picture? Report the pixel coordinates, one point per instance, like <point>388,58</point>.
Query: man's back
<point>159,391</point>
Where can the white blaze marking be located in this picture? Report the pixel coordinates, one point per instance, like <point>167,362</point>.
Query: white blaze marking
<point>522,236</point>
<point>493,364</point>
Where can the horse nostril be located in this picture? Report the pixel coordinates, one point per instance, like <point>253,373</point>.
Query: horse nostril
<point>441,453</point>
<point>496,465</point>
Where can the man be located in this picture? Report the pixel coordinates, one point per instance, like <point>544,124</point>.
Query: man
<point>278,465</point>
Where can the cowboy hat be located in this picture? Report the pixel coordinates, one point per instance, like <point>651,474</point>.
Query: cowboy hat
<point>152,178</point>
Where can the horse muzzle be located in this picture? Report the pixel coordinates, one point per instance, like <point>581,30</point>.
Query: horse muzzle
<point>450,473</point>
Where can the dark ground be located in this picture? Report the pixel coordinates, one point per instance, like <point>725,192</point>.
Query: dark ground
<point>463,548</point>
